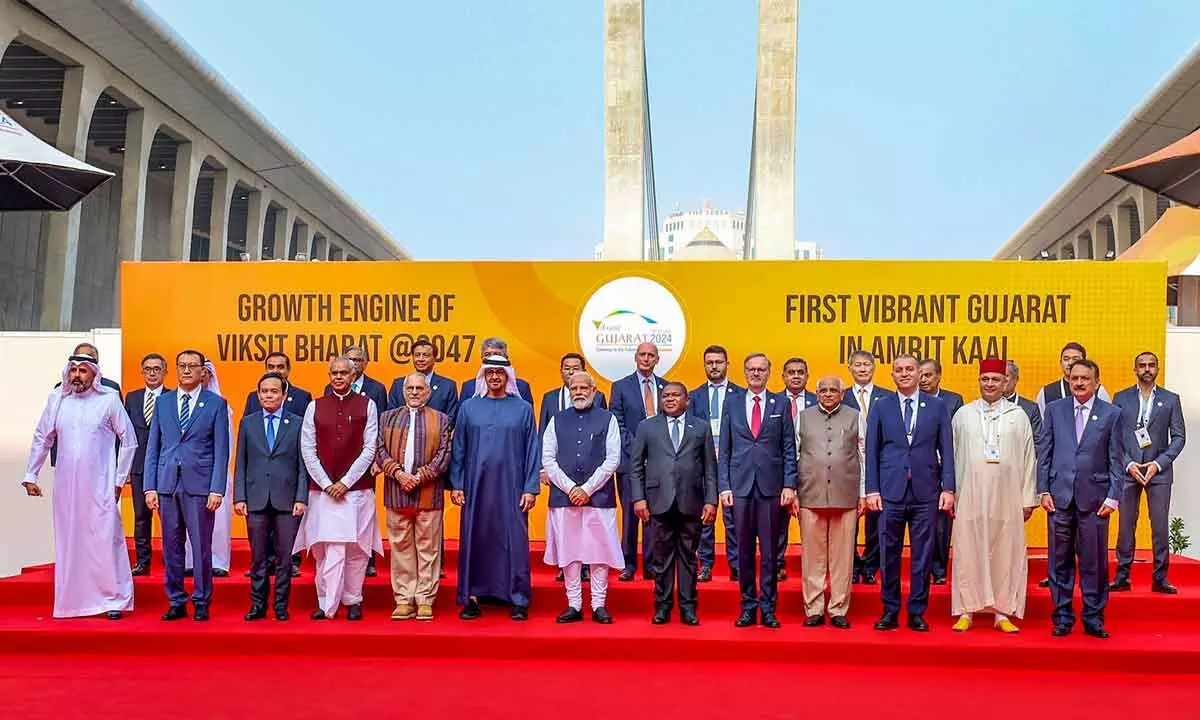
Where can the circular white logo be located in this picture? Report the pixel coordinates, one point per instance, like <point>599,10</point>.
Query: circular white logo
<point>621,315</point>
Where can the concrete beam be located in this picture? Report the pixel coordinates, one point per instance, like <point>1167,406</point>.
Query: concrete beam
<point>283,231</point>
<point>218,222</point>
<point>257,204</point>
<point>139,135</point>
<point>183,200</point>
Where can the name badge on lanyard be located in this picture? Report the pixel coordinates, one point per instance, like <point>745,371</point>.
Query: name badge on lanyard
<point>1141,433</point>
<point>991,435</point>
<point>1143,436</point>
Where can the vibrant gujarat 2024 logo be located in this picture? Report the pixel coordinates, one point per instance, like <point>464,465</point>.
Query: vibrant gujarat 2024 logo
<point>621,315</point>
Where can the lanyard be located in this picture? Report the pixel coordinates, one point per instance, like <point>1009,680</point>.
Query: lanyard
<point>989,423</point>
<point>1144,406</point>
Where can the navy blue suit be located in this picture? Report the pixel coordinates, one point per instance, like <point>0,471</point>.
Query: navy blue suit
<point>468,390</point>
<point>698,402</point>
<point>1080,476</point>
<point>550,406</point>
<point>910,475</point>
<point>143,518</point>
<point>868,561</point>
<point>756,470</point>
<point>184,467</point>
<point>295,401</point>
<point>943,530</point>
<point>630,410</point>
<point>443,396</point>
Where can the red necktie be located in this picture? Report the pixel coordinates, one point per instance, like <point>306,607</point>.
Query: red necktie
<point>756,417</point>
<point>795,405</point>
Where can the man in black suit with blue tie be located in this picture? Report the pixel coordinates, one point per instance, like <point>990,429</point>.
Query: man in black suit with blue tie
<point>757,474</point>
<point>706,403</point>
<point>1152,419</point>
<point>1080,474</point>
<point>862,395</point>
<point>139,405</point>
<point>909,478</point>
<point>930,382</point>
<point>443,392</point>
<point>270,489</point>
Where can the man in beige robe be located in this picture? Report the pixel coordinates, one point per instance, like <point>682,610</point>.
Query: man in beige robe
<point>996,463</point>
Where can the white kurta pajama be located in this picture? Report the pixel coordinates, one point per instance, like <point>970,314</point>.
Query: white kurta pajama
<point>91,562</point>
<point>990,571</point>
<point>340,534</point>
<point>577,535</point>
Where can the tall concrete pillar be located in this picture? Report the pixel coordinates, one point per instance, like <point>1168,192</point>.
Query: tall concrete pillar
<point>218,221</point>
<point>1147,205</point>
<point>183,200</point>
<point>283,231</point>
<point>139,136</point>
<point>773,183</point>
<point>81,90</point>
<point>1122,228</point>
<point>624,129</point>
<point>256,222</point>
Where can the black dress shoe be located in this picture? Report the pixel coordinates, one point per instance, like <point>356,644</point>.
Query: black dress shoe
<point>888,621</point>
<point>296,571</point>
<point>770,621</point>
<point>281,614</point>
<point>188,572</point>
<point>113,615</point>
<point>257,612</point>
<point>141,569</point>
<point>560,577</point>
<point>856,579</point>
<point>520,613</point>
<point>201,615</point>
<point>354,612</point>
<point>1096,631</point>
<point>585,575</point>
<point>570,615</point>
<point>840,622</point>
<point>218,572</point>
<point>626,575</point>
<point>371,571</point>
<point>746,619</point>
<point>1061,630</point>
<point>470,611</point>
<point>648,574</point>
<point>733,575</point>
<point>319,614</point>
<point>869,577</point>
<point>688,618</point>
<point>781,575</point>
<point>175,612</point>
<point>661,617</point>
<point>600,615</point>
<point>1164,588</point>
<point>917,623</point>
<point>814,621</point>
<point>1120,586</point>
<point>705,575</point>
<point>939,580</point>
<point>1045,583</point>
<point>249,573</point>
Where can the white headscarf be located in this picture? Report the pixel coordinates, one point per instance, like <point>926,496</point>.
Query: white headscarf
<point>214,386</point>
<point>65,390</point>
<point>496,361</point>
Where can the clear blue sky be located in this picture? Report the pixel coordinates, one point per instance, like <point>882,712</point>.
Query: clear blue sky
<point>474,128</point>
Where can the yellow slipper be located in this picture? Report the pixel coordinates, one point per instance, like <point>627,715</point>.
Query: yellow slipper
<point>963,624</point>
<point>1006,626</point>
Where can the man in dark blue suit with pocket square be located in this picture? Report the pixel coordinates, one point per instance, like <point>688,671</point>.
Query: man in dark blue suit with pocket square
<point>757,474</point>
<point>909,478</point>
<point>1080,474</point>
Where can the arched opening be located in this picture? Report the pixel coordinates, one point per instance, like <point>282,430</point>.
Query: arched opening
<point>317,247</point>
<point>207,203</point>
<point>1132,217</point>
<point>236,244</point>
<point>1085,248</point>
<point>336,253</point>
<point>298,243</point>
<point>160,184</point>
<point>270,227</point>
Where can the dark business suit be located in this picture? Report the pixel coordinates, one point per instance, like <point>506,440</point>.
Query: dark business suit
<point>1080,475</point>
<point>1167,438</point>
<point>629,408</point>
<point>270,480</point>
<point>443,396</point>
<point>143,518</point>
<point>785,514</point>
<point>552,405</point>
<point>676,485</point>
<point>944,528</point>
<point>1032,411</point>
<point>756,470</point>
<point>185,465</point>
<point>373,389</point>
<point>295,401</point>
<point>699,401</point>
<point>468,390</point>
<point>868,561</point>
<point>909,476</point>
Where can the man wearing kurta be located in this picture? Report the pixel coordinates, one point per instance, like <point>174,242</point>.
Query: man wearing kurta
<point>996,460</point>
<point>494,471</point>
<point>414,454</point>
<point>337,441</point>
<point>91,565</point>
<point>580,452</point>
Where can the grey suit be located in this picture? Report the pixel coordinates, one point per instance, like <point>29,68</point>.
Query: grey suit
<point>676,485</point>
<point>1167,437</point>
<point>270,481</point>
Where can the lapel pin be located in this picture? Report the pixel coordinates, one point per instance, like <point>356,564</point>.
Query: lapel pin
<point>286,421</point>
<point>922,404</point>
<point>435,387</point>
<point>1095,418</point>
<point>1160,403</point>
<point>201,404</point>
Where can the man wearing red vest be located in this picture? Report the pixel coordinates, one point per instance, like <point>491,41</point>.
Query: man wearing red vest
<point>338,440</point>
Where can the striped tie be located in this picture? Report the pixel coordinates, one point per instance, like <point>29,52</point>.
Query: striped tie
<point>185,413</point>
<point>148,409</point>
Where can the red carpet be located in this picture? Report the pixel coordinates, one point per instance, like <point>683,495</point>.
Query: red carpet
<point>496,665</point>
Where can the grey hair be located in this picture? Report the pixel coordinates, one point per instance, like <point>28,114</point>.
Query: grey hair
<point>1013,369</point>
<point>495,342</point>
<point>341,359</point>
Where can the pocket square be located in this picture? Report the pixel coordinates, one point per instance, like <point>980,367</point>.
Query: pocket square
<point>775,415</point>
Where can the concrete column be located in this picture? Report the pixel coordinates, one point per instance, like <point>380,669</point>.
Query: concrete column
<point>283,231</point>
<point>183,200</point>
<point>81,90</point>
<point>320,247</point>
<point>1147,203</point>
<point>257,204</point>
<point>1122,231</point>
<point>336,253</point>
<point>624,130</point>
<point>302,231</point>
<point>773,182</point>
<point>218,223</point>
<point>139,136</point>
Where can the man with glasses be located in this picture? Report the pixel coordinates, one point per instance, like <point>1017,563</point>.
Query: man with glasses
<point>139,405</point>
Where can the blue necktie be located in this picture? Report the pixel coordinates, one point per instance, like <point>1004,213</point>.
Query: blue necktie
<point>908,429</point>
<point>271,432</point>
<point>185,413</point>
<point>714,408</point>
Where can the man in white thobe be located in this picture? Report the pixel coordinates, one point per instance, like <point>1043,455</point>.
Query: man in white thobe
<point>580,452</point>
<point>996,493</point>
<point>91,564</point>
<point>338,441</point>
<point>222,538</point>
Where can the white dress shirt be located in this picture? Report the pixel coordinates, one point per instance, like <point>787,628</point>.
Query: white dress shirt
<point>916,405</point>
<point>653,390</point>
<point>762,401</point>
<point>308,447</point>
<point>193,396</point>
<point>1087,412</point>
<point>410,441</point>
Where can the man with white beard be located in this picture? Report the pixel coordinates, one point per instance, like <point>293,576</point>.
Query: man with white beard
<point>91,565</point>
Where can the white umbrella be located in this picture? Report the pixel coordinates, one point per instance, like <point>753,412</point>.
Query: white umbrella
<point>37,176</point>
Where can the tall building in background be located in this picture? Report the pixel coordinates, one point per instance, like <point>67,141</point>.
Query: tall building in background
<point>713,234</point>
